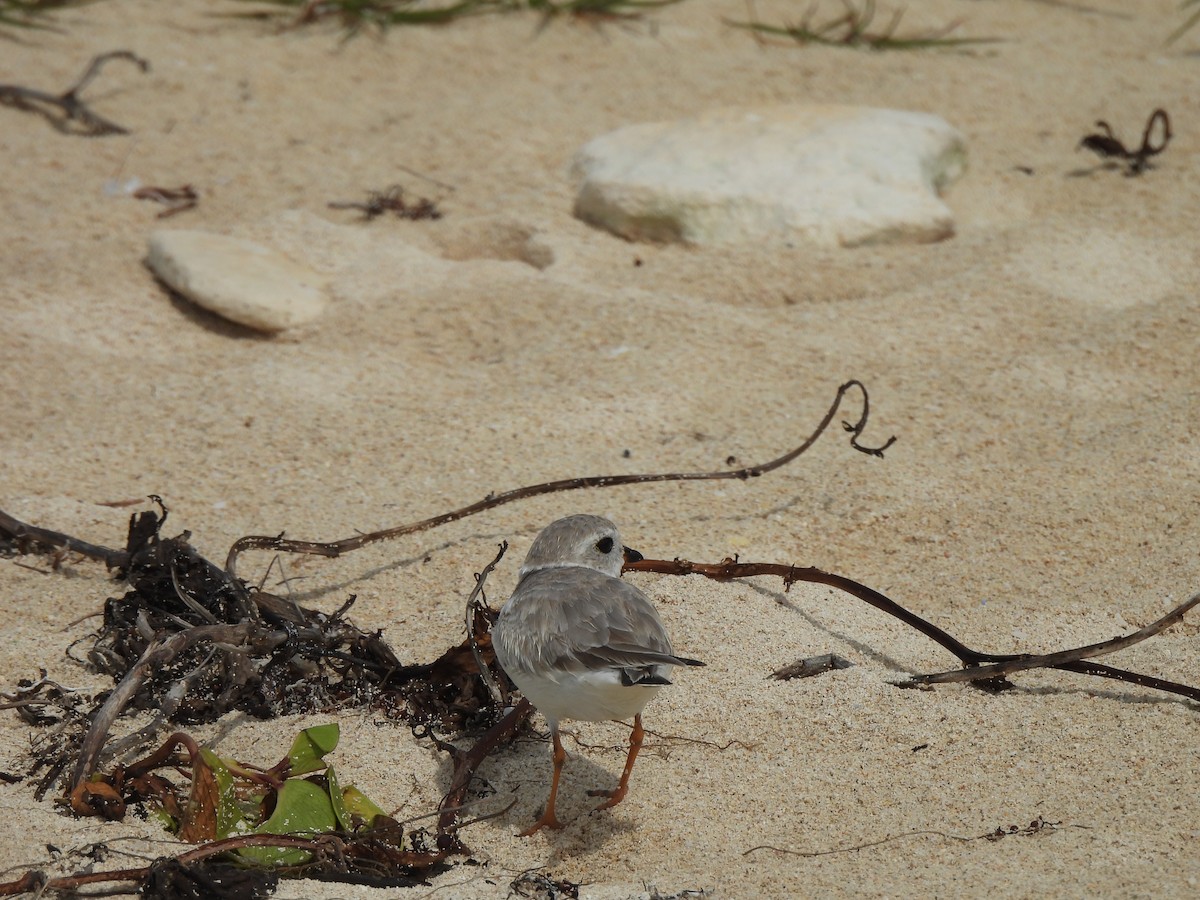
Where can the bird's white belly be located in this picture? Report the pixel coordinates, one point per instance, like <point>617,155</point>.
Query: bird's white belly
<point>586,696</point>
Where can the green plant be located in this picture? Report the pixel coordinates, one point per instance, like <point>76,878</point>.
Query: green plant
<point>1188,23</point>
<point>852,29</point>
<point>32,13</point>
<point>382,14</point>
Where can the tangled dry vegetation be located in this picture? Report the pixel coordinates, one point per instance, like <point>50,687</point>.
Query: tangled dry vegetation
<point>189,641</point>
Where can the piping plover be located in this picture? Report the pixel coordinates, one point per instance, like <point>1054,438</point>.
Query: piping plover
<point>581,643</point>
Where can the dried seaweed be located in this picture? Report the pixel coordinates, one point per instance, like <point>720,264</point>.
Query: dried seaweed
<point>392,200</point>
<point>1105,144</point>
<point>191,641</point>
<point>190,644</point>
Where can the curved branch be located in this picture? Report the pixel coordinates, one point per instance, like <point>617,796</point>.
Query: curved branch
<point>332,549</point>
<point>729,570</point>
<point>466,763</point>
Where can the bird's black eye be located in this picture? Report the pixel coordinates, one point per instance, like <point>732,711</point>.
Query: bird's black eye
<point>605,545</point>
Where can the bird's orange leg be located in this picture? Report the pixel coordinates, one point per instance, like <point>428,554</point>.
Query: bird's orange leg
<point>618,794</point>
<point>548,819</point>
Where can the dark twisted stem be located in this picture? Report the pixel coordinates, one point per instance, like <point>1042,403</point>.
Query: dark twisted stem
<point>332,549</point>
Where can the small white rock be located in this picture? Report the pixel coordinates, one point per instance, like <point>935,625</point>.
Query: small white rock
<point>828,174</point>
<point>239,280</point>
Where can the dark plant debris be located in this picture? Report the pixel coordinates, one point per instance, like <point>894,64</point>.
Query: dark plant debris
<point>536,886</point>
<point>72,109</point>
<point>852,28</point>
<point>1109,147</point>
<point>190,641</point>
<point>176,200</point>
<point>392,200</point>
<point>1036,827</point>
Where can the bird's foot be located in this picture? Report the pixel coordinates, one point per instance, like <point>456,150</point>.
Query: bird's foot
<point>614,796</point>
<point>548,820</point>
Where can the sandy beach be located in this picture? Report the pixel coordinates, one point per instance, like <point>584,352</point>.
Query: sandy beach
<point>1038,369</point>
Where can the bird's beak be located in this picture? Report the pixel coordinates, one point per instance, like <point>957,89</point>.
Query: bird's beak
<point>631,555</point>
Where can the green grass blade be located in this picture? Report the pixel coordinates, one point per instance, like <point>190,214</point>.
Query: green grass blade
<point>1188,24</point>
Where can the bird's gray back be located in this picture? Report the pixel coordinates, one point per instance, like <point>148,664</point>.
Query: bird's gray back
<point>574,618</point>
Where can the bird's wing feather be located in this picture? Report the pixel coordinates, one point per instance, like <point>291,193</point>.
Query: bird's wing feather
<point>582,619</point>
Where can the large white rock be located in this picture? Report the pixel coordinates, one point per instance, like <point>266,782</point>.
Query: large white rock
<point>828,174</point>
<point>237,279</point>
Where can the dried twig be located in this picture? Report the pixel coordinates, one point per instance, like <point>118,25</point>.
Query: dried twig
<point>29,538</point>
<point>985,669</point>
<point>1074,659</point>
<point>476,603</point>
<point>1037,826</point>
<point>73,109</point>
<point>467,762</point>
<point>25,538</point>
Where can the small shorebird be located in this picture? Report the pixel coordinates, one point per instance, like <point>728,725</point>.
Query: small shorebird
<point>581,643</point>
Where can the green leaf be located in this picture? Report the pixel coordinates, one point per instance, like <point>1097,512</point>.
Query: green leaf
<point>360,806</point>
<point>310,747</point>
<point>303,807</point>
<point>351,806</point>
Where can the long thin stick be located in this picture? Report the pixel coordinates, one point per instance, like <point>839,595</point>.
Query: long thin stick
<point>331,549</point>
<point>474,604</point>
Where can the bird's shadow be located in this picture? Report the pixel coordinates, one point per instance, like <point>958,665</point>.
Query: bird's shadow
<point>872,653</point>
<point>522,772</point>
